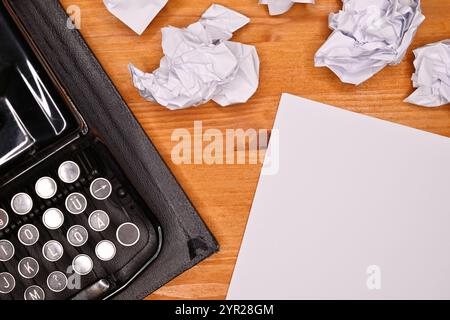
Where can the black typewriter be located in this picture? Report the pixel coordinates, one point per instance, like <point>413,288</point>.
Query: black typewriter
<point>71,224</point>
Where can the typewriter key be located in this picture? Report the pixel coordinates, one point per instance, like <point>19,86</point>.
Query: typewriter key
<point>28,267</point>
<point>21,203</point>
<point>57,281</point>
<point>53,218</point>
<point>69,172</point>
<point>34,293</point>
<point>105,250</point>
<point>46,187</point>
<point>77,235</point>
<point>82,264</point>
<point>6,250</point>
<point>76,203</point>
<point>99,220</point>
<point>28,235</point>
<point>4,219</point>
<point>7,282</point>
<point>128,234</point>
<point>101,189</point>
<point>52,250</point>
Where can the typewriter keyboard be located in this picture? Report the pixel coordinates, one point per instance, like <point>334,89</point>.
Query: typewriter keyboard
<point>75,227</point>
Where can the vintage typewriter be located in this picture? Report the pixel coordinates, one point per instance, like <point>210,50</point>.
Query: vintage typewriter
<point>71,224</point>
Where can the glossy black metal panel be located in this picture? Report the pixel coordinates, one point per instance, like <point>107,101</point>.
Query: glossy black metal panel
<point>33,115</point>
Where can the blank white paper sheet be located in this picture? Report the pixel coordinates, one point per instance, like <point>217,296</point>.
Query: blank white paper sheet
<point>350,207</point>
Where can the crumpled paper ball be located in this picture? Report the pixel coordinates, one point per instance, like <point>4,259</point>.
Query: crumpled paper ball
<point>367,36</point>
<point>277,7</point>
<point>200,64</point>
<point>432,76</point>
<point>137,14</point>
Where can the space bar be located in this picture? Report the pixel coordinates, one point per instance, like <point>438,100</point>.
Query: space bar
<point>94,292</point>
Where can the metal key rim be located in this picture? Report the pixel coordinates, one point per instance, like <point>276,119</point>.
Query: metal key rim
<point>84,241</point>
<point>91,189</point>
<point>82,256</point>
<point>36,287</point>
<point>7,219</point>
<point>20,272</point>
<point>112,246</point>
<point>61,167</point>
<point>65,281</point>
<point>18,195</point>
<point>75,194</point>
<point>12,286</point>
<point>96,229</point>
<point>52,259</point>
<point>37,238</point>
<point>46,222</point>
<point>13,250</point>
<point>46,197</point>
<point>138,234</point>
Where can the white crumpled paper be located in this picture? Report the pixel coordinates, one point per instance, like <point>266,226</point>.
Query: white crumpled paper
<point>432,76</point>
<point>200,64</point>
<point>277,7</point>
<point>137,14</point>
<point>367,36</point>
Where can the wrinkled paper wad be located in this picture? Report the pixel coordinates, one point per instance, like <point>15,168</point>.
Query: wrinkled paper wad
<point>137,14</point>
<point>367,36</point>
<point>432,76</point>
<point>200,64</point>
<point>277,7</point>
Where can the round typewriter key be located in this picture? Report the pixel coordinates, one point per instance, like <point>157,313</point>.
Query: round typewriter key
<point>69,172</point>
<point>4,219</point>
<point>6,250</point>
<point>22,203</point>
<point>34,293</point>
<point>52,250</point>
<point>53,218</point>
<point>57,281</point>
<point>128,234</point>
<point>7,282</point>
<point>99,220</point>
<point>101,189</point>
<point>28,267</point>
<point>76,203</point>
<point>46,187</point>
<point>82,264</point>
<point>105,250</point>
<point>28,235</point>
<point>77,235</point>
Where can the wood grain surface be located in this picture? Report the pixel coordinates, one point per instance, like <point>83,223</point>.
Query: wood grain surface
<point>286,45</point>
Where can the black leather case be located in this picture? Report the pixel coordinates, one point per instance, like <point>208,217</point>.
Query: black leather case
<point>187,240</point>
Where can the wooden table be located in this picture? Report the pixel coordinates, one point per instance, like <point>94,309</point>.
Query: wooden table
<point>286,44</point>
